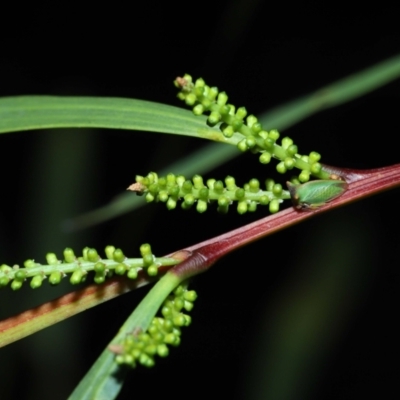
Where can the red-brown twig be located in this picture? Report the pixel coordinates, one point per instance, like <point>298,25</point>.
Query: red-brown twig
<point>199,257</point>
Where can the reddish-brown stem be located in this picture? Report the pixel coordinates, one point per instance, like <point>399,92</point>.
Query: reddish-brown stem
<point>199,257</point>
<point>362,183</point>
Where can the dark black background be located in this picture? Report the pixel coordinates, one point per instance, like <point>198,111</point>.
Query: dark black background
<point>260,328</point>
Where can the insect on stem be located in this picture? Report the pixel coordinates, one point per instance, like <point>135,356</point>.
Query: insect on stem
<point>314,194</point>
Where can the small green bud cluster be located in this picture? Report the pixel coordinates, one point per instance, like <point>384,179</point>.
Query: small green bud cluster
<point>142,347</point>
<point>172,188</point>
<point>149,260</point>
<point>248,130</point>
<point>79,267</point>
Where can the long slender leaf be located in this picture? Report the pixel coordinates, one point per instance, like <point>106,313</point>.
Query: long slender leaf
<point>43,112</point>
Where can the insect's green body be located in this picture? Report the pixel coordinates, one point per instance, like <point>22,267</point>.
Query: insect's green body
<point>314,194</point>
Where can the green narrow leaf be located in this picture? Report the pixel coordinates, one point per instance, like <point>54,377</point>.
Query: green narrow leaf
<point>44,112</point>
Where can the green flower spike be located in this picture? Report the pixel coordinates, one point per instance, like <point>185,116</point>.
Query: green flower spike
<point>142,347</point>
<point>251,135</point>
<point>178,188</point>
<point>79,268</point>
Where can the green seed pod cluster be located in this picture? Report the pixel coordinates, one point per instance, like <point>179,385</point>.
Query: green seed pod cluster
<point>172,189</point>
<point>248,131</point>
<point>142,347</point>
<point>78,268</point>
